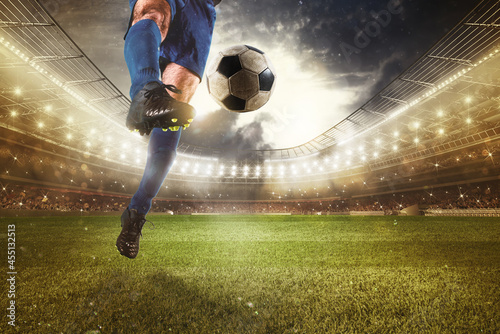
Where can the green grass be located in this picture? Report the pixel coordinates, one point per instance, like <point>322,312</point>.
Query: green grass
<point>258,274</point>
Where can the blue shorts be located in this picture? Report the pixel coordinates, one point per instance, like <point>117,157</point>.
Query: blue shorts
<point>189,35</point>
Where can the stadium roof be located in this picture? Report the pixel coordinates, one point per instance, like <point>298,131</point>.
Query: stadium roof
<point>50,90</point>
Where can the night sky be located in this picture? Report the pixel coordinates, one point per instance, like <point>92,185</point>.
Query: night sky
<point>330,57</point>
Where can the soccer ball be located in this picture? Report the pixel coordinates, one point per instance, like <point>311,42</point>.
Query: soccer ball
<point>241,78</point>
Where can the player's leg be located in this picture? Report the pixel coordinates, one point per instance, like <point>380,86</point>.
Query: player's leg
<point>162,147</point>
<point>150,21</point>
<point>184,65</point>
<point>162,150</point>
<point>152,106</point>
<point>179,76</point>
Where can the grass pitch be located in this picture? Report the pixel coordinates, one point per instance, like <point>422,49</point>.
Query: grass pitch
<point>258,274</point>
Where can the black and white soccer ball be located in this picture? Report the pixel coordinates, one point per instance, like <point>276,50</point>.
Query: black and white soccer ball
<point>241,78</point>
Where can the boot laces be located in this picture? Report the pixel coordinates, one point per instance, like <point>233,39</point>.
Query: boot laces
<point>139,224</point>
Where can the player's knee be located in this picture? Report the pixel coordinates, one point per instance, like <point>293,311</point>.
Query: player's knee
<point>155,10</point>
<point>153,15</point>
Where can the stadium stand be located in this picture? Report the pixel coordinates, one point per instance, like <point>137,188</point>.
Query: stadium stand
<point>430,138</point>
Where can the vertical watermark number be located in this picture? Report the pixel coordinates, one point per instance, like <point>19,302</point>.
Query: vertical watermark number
<point>11,274</point>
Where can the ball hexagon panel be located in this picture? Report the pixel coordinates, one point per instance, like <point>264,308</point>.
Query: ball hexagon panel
<point>253,61</point>
<point>244,84</point>
<point>258,100</point>
<point>229,65</point>
<point>218,86</point>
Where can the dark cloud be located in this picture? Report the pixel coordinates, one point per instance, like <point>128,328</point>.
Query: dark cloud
<point>219,130</point>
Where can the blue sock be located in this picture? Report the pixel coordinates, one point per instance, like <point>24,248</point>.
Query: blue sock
<point>162,150</point>
<point>142,54</point>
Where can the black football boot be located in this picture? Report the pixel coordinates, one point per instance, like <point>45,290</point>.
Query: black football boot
<point>153,107</point>
<point>128,240</point>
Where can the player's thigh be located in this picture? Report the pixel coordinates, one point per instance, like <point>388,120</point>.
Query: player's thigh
<point>182,78</point>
